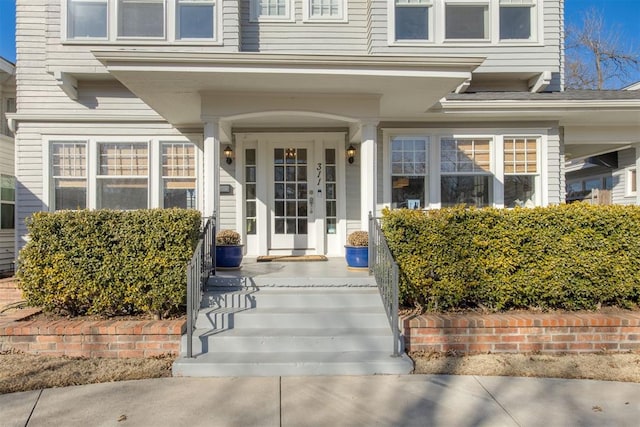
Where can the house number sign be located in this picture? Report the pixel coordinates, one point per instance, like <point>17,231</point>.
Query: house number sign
<point>319,178</point>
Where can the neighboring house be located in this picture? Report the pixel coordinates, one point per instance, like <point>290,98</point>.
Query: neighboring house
<point>7,178</point>
<point>293,119</point>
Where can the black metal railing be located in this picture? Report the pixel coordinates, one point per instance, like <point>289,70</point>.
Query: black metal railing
<point>385,270</point>
<point>201,266</point>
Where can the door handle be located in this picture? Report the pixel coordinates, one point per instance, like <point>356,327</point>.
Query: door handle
<point>311,204</point>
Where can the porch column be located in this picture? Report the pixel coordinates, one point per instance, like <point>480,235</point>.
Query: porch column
<point>368,172</point>
<point>211,164</point>
<point>637,147</point>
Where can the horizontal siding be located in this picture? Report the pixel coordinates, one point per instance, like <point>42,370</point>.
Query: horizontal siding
<point>306,37</point>
<point>7,252</point>
<point>555,168</point>
<point>227,212</point>
<point>626,161</point>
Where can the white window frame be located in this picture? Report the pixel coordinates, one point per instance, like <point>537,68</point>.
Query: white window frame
<point>342,16</point>
<point>391,12</point>
<point>164,22</point>
<point>50,178</point>
<point>428,166</point>
<point>534,8</point>
<point>630,181</point>
<point>65,20</point>
<point>537,200</point>
<point>178,177</point>
<point>154,175</point>
<point>8,201</point>
<point>489,20</point>
<point>171,30</point>
<point>176,19</point>
<point>255,16</point>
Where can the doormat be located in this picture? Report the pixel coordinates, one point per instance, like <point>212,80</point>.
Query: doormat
<point>291,258</point>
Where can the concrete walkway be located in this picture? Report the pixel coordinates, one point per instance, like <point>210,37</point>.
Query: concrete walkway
<point>410,400</point>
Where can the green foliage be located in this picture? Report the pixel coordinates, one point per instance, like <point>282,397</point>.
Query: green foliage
<point>569,257</point>
<point>108,262</point>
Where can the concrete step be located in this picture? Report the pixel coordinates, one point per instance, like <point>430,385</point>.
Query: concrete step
<point>293,363</point>
<point>346,297</point>
<point>278,340</point>
<point>236,280</point>
<point>293,317</point>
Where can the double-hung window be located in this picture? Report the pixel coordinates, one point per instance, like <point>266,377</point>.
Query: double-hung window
<point>520,171</point>
<point>141,18</point>
<point>412,19</point>
<point>195,19</point>
<point>466,20</point>
<point>179,175</point>
<point>123,175</point>
<point>465,165</point>
<point>69,173</point>
<point>516,19</point>
<point>409,172</point>
<point>87,19</point>
<point>7,202</point>
<point>267,10</point>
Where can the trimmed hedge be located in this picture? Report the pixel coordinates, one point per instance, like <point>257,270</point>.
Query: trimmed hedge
<point>108,262</point>
<point>569,257</point>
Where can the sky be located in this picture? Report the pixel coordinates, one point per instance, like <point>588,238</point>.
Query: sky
<point>625,14</point>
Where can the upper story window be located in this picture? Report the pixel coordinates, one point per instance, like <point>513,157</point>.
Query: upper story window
<point>515,19</point>
<point>141,18</point>
<point>195,19</point>
<point>267,10</point>
<point>412,19</point>
<point>7,202</point>
<point>87,18</point>
<point>464,21</point>
<point>171,20</point>
<point>467,21</point>
<point>325,10</point>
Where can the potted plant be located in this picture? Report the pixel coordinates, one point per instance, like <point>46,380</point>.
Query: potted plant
<point>228,249</point>
<point>357,249</point>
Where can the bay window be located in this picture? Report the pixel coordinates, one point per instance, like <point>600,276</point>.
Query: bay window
<point>412,19</point>
<point>178,175</point>
<point>465,166</point>
<point>409,172</point>
<point>69,173</point>
<point>123,176</point>
<point>520,171</point>
<point>141,18</point>
<point>195,19</point>
<point>466,21</point>
<point>87,19</point>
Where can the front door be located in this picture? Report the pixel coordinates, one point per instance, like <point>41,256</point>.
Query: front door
<point>291,198</point>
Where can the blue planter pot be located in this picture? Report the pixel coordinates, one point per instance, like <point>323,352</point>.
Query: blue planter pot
<point>228,256</point>
<point>357,256</point>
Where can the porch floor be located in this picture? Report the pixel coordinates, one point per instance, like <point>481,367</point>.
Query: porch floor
<point>333,272</point>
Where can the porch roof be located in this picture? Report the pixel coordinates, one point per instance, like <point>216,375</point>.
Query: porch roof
<point>173,83</point>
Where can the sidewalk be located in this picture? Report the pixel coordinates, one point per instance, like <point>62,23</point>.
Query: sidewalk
<point>411,400</point>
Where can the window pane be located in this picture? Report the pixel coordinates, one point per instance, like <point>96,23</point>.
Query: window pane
<point>70,194</point>
<point>7,216</point>
<point>412,23</point>
<point>326,8</point>
<point>123,159</point>
<point>469,190</point>
<point>196,21</point>
<point>87,19</point>
<point>178,159</point>
<point>7,188</point>
<point>138,18</point>
<point>179,193</point>
<point>466,22</point>
<point>272,8</point>
<point>519,191</point>
<point>465,155</point>
<point>123,193</point>
<point>515,23</point>
<point>408,192</point>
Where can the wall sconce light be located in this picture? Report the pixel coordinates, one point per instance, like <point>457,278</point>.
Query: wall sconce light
<point>228,152</point>
<point>351,152</point>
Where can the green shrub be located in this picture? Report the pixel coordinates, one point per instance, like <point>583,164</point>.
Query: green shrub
<point>108,262</point>
<point>570,257</point>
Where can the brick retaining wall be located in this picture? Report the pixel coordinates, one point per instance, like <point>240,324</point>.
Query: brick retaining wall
<point>523,333</point>
<point>9,291</point>
<point>103,338</point>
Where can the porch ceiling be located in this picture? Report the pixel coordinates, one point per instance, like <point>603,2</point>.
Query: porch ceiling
<point>172,82</point>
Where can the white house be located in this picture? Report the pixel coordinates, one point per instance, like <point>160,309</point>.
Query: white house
<point>7,179</point>
<point>293,119</point>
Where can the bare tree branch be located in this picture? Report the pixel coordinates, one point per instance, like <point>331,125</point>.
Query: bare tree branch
<point>595,56</point>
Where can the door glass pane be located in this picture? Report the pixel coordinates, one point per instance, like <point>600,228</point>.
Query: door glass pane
<point>290,191</point>
<point>330,191</point>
